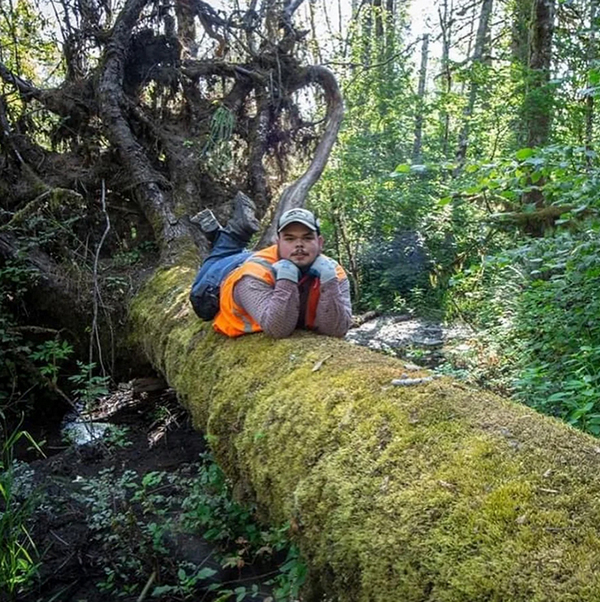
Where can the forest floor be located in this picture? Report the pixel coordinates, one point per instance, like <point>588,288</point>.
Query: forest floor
<point>426,342</point>
<point>122,517</point>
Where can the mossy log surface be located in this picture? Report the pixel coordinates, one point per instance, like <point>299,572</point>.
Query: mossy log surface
<point>435,492</point>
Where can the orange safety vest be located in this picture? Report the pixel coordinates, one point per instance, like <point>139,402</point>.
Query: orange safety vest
<point>233,320</point>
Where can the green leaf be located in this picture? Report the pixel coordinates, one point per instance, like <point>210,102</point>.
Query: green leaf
<point>594,76</point>
<point>524,153</point>
<point>445,201</point>
<point>206,573</point>
<point>160,590</point>
<point>403,168</point>
<point>536,176</point>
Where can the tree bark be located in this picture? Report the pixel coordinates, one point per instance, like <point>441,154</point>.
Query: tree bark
<point>444,14</point>
<point>435,492</point>
<point>538,101</point>
<point>295,194</point>
<point>483,31</point>
<point>591,60</point>
<point>418,141</point>
<point>172,232</point>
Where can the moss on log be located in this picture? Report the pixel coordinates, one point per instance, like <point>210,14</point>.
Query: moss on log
<point>430,493</point>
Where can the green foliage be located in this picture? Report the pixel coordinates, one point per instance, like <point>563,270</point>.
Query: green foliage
<point>116,437</point>
<point>135,520</point>
<point>566,176</point>
<point>127,257</point>
<point>538,304</point>
<point>217,147</point>
<point>50,354</point>
<point>25,361</point>
<point>18,554</point>
<point>88,386</point>
<point>26,39</point>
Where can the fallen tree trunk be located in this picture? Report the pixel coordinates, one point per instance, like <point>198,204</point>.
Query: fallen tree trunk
<point>436,492</point>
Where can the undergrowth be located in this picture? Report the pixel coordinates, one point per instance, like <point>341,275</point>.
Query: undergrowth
<point>537,308</point>
<point>139,521</point>
<point>19,560</point>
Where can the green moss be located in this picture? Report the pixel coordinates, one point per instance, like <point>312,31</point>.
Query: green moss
<point>434,492</point>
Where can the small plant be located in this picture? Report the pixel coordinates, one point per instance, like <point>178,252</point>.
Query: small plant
<point>51,354</point>
<point>133,518</point>
<point>291,577</point>
<point>18,564</point>
<point>89,387</point>
<point>189,579</point>
<point>117,437</point>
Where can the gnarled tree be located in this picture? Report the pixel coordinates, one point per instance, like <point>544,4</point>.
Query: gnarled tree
<point>426,493</point>
<point>163,109</point>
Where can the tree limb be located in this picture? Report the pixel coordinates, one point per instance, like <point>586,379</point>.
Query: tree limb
<point>295,195</point>
<point>171,232</point>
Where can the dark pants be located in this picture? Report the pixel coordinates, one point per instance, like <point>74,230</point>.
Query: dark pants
<point>228,253</point>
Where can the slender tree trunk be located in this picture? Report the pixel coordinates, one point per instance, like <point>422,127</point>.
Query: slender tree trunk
<point>367,31</point>
<point>446,75</point>
<point>520,25</point>
<point>537,106</point>
<point>483,31</point>
<point>352,260</point>
<point>591,59</point>
<point>417,145</point>
<point>378,13</point>
<point>390,36</point>
<point>314,43</point>
<point>539,97</point>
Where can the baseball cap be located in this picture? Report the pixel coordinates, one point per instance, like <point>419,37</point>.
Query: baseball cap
<point>302,216</point>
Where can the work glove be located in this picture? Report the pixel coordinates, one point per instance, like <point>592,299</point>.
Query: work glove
<point>323,268</point>
<point>286,270</point>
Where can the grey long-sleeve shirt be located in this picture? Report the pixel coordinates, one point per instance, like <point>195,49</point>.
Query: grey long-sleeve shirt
<point>281,309</point>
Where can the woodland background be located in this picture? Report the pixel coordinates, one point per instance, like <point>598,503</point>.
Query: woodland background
<point>464,183</point>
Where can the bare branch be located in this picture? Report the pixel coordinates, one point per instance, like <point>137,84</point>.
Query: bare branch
<point>290,7</point>
<point>26,89</point>
<point>295,195</point>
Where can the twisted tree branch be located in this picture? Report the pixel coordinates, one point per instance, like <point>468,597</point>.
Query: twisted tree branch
<point>295,194</point>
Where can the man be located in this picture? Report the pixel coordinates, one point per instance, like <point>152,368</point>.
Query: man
<point>288,285</point>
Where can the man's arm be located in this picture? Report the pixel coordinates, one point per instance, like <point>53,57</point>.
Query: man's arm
<point>275,309</point>
<point>334,311</point>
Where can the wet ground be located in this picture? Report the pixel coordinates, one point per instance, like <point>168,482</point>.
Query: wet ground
<point>107,516</point>
<point>425,342</point>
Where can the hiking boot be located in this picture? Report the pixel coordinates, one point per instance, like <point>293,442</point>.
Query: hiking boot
<point>243,223</point>
<point>208,223</point>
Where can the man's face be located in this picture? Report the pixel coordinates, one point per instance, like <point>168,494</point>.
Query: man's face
<point>299,244</point>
